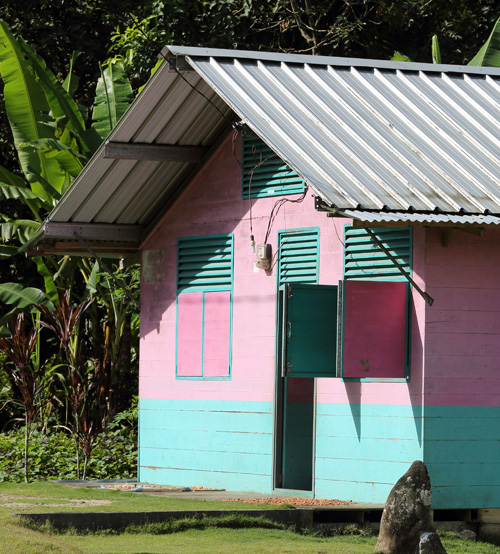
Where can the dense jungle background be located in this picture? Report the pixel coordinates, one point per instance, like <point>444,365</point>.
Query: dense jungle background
<point>69,331</point>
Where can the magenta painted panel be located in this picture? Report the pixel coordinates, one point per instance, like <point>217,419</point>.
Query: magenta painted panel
<point>216,334</point>
<point>374,329</point>
<point>189,334</point>
<point>300,389</point>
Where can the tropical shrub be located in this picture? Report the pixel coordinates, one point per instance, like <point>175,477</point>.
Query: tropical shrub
<point>53,455</point>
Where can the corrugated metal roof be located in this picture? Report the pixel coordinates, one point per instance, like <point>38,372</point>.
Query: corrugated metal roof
<point>372,136</point>
<point>172,109</point>
<point>383,218</point>
<point>363,134</point>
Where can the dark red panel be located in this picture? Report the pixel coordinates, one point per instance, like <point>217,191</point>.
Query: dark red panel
<point>375,329</point>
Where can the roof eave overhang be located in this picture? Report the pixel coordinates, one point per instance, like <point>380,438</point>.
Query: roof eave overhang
<point>79,239</point>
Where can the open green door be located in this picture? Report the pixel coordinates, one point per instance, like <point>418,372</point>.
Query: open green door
<point>309,330</point>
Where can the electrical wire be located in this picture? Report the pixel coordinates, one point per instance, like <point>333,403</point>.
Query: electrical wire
<point>277,207</point>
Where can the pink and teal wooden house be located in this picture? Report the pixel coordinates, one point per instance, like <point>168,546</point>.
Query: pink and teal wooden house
<point>320,246</point>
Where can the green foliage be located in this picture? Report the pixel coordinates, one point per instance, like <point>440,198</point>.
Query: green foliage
<point>53,456</point>
<point>436,52</point>
<point>340,530</point>
<point>113,96</point>
<point>489,54</point>
<point>20,297</point>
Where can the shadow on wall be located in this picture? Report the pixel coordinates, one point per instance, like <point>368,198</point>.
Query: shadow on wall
<point>355,389</point>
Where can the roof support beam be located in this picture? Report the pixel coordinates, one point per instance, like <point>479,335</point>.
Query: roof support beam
<point>154,152</point>
<point>53,230</point>
<point>115,250</point>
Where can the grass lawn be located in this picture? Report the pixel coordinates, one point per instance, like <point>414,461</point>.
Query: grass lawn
<point>15,539</point>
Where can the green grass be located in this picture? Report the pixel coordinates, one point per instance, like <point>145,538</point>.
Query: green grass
<point>185,537</point>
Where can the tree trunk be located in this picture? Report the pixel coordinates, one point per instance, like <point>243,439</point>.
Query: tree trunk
<point>122,375</point>
<point>26,443</point>
<point>85,464</point>
<point>77,446</point>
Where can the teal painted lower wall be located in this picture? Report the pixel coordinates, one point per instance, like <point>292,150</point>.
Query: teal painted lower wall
<point>462,453</point>
<point>206,443</point>
<point>360,450</point>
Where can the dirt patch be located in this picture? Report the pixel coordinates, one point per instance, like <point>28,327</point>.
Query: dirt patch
<point>295,501</point>
<point>142,488</point>
<point>153,488</point>
<point>10,501</point>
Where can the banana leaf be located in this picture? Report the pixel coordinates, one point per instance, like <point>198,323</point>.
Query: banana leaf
<point>489,53</point>
<point>39,183</point>
<point>91,282</point>
<point>23,229</point>
<point>399,57</point>
<point>48,279</point>
<point>7,251</point>
<point>68,159</point>
<point>10,178</point>
<point>71,82</point>
<point>62,106</point>
<point>28,112</point>
<point>113,96</point>
<point>20,191</point>
<point>436,52</point>
<point>18,296</point>
<point>10,192</point>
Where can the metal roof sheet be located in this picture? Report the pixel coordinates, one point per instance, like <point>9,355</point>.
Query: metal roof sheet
<point>383,218</point>
<point>365,137</point>
<point>364,134</point>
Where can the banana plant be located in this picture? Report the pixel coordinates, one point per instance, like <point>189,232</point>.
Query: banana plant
<point>54,141</point>
<point>487,56</point>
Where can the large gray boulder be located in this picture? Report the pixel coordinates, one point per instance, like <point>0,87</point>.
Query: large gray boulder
<point>407,513</point>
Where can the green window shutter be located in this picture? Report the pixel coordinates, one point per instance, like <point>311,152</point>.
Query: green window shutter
<point>265,174</point>
<point>364,259</point>
<point>298,258</point>
<point>205,263</point>
<point>309,330</point>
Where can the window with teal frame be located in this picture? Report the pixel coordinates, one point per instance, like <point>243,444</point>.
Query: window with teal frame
<point>364,259</point>
<point>265,174</point>
<point>204,307</point>
<point>376,304</point>
<point>298,258</point>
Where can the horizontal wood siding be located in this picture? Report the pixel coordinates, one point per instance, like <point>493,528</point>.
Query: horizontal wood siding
<point>362,450</point>
<point>462,378</point>
<point>228,423</point>
<point>462,453</point>
<point>216,444</point>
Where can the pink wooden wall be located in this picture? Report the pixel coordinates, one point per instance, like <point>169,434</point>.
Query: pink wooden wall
<point>462,344</point>
<point>213,205</point>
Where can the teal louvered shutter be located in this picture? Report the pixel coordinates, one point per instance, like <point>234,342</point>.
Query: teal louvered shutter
<point>298,258</point>
<point>364,259</point>
<point>204,307</point>
<point>205,263</point>
<point>265,174</point>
